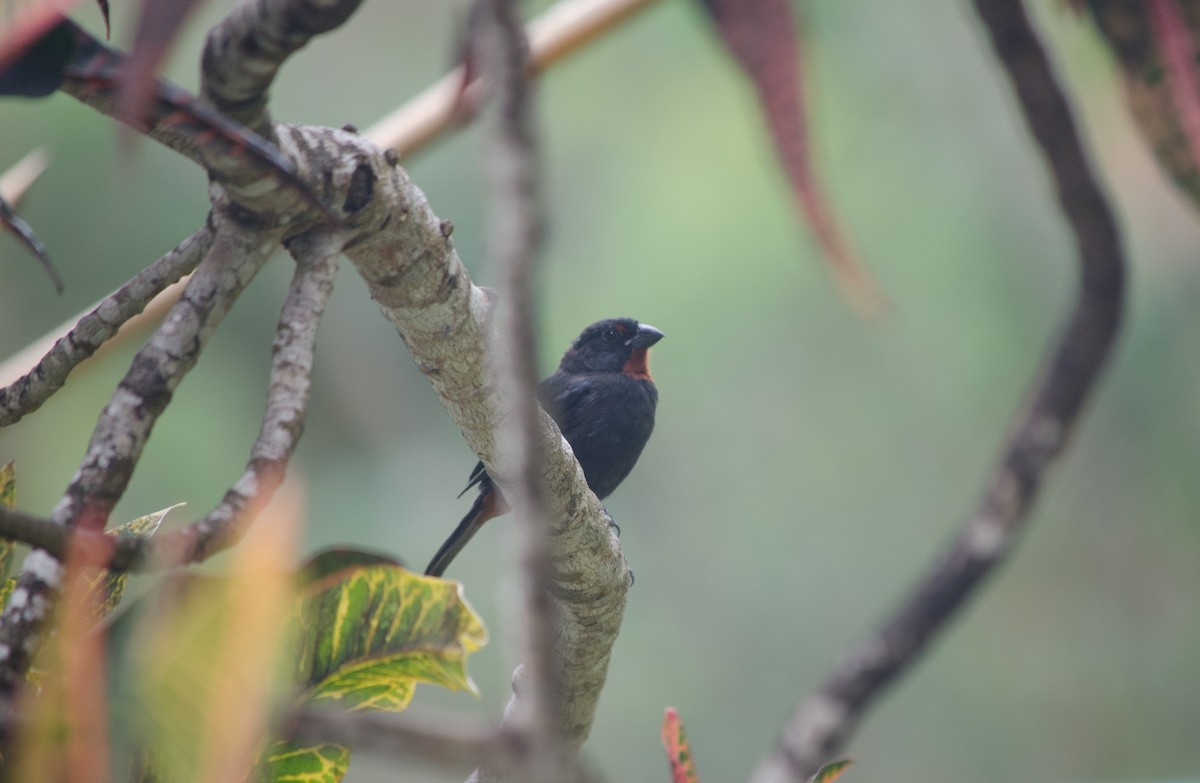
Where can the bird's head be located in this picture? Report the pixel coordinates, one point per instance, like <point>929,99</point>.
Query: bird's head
<point>613,345</point>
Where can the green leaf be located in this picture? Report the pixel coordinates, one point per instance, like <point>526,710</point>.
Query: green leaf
<point>286,762</point>
<point>334,559</point>
<point>831,771</point>
<point>369,634</point>
<point>111,584</point>
<point>8,499</point>
<point>6,588</point>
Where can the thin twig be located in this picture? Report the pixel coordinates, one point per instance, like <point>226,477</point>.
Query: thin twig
<point>26,394</point>
<point>22,174</point>
<point>562,29</point>
<point>283,421</point>
<point>287,402</point>
<point>123,428</point>
<point>513,242</point>
<point>822,724</point>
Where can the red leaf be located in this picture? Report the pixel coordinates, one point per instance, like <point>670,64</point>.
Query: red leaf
<point>1172,34</point>
<point>760,34</point>
<point>679,751</point>
<point>157,28</point>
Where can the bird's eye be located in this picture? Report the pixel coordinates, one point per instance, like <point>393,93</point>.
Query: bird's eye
<point>610,335</point>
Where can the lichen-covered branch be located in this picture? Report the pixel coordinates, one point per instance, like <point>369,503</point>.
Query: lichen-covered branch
<point>287,402</point>
<point>30,391</point>
<point>413,273</point>
<point>244,51</point>
<point>821,725</point>
<point>124,426</point>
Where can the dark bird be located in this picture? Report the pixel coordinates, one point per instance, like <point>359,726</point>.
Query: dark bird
<point>602,398</point>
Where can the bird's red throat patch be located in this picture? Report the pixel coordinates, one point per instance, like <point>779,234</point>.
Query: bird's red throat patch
<point>638,365</point>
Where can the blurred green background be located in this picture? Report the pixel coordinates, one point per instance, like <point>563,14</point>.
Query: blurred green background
<point>806,467</point>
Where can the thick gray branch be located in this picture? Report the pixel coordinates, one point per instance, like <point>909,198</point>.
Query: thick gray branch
<point>413,273</point>
<point>243,52</point>
<point>27,393</point>
<point>821,725</point>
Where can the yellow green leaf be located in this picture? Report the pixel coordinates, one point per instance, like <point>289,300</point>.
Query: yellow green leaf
<point>8,499</point>
<point>111,584</point>
<point>285,762</point>
<point>830,772</point>
<point>369,634</point>
<point>208,658</point>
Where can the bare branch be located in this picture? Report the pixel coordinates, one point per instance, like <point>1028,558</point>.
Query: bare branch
<point>514,230</point>
<point>562,29</point>
<point>243,52</point>
<point>21,175</point>
<point>27,393</point>
<point>125,424</point>
<point>283,421</point>
<point>287,402</point>
<point>412,272</point>
<point>822,724</point>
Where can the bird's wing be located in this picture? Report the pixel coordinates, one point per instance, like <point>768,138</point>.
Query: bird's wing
<point>560,394</point>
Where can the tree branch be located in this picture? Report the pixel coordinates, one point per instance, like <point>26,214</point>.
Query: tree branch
<point>27,393</point>
<point>822,724</point>
<point>124,425</point>
<point>513,240</point>
<point>287,401</point>
<point>244,51</point>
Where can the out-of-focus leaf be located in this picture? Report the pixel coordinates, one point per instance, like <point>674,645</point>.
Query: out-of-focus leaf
<point>830,772</point>
<point>285,762</point>
<point>208,659</point>
<point>761,36</point>
<point>334,559</point>
<point>8,499</point>
<point>368,635</point>
<point>24,232</point>
<point>158,25</point>
<point>110,585</point>
<point>1156,47</point>
<point>33,57</point>
<point>65,736</point>
<point>679,750</point>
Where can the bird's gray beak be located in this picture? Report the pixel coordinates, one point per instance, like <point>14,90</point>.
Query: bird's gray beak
<point>646,336</point>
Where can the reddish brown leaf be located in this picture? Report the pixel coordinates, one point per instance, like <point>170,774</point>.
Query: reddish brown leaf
<point>761,36</point>
<point>158,26</point>
<point>1179,55</point>
<point>679,750</point>
<point>24,232</point>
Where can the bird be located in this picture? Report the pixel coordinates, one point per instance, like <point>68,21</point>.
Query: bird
<point>603,399</point>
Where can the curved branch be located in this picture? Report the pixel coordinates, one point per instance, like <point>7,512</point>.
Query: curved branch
<point>821,725</point>
<point>244,51</point>
<point>27,393</point>
<point>412,272</point>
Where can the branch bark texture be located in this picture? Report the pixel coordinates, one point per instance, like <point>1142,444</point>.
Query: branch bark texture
<point>821,725</point>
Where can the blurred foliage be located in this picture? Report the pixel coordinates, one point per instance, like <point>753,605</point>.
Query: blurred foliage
<point>805,467</point>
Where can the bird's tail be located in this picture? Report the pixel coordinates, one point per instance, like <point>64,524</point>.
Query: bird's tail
<point>487,505</point>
